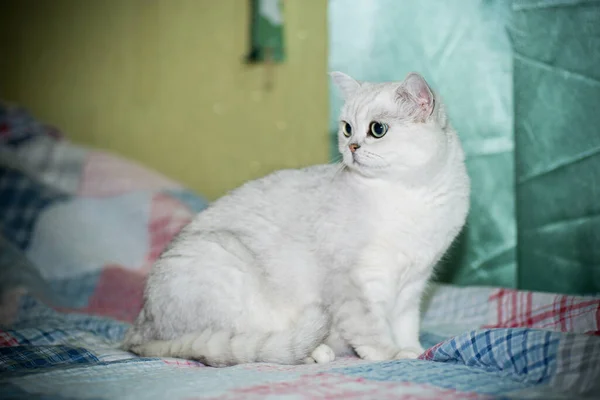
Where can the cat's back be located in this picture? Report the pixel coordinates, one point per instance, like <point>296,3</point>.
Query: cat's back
<point>276,198</point>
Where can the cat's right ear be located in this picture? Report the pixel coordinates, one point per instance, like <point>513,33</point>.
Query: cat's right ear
<point>347,85</point>
<point>416,92</point>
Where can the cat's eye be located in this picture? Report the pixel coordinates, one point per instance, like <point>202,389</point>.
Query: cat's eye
<point>346,129</point>
<point>378,129</point>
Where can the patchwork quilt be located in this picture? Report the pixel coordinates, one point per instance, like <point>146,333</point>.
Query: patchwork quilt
<point>80,228</point>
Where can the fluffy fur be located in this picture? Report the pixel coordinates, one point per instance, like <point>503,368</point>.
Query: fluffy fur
<point>303,265</point>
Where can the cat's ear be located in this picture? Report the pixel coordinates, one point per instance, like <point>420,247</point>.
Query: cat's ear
<point>345,83</point>
<point>417,93</point>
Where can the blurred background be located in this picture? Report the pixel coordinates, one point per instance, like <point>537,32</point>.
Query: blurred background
<point>214,93</point>
<point>167,83</point>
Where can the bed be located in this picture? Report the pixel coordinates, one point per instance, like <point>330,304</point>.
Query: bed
<point>81,228</point>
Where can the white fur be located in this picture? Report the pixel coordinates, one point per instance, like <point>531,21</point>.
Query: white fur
<point>304,264</point>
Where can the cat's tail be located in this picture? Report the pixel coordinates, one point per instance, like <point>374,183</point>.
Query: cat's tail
<point>224,348</point>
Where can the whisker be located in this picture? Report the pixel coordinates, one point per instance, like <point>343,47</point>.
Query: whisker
<point>337,159</point>
<point>368,153</point>
<point>340,168</point>
<point>376,156</point>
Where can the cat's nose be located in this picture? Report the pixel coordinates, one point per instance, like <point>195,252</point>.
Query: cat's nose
<point>354,147</point>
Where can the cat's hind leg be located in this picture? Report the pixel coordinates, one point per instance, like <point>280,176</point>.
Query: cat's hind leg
<point>209,301</point>
<point>220,348</point>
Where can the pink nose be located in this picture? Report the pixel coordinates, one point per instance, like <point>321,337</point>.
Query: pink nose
<point>354,147</point>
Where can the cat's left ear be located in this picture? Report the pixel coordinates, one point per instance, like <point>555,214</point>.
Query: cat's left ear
<point>347,85</point>
<point>416,91</point>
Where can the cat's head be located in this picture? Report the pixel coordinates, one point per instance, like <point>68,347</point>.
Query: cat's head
<point>390,129</point>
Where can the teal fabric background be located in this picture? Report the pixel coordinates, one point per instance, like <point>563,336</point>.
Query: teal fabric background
<point>557,136</point>
<point>516,77</point>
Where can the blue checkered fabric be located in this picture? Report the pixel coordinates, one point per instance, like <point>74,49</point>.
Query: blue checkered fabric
<point>21,201</point>
<point>442,375</point>
<point>39,336</point>
<point>29,357</point>
<point>34,314</point>
<point>525,354</point>
<point>484,361</point>
<point>511,362</point>
<point>21,125</point>
<point>578,364</point>
<point>13,392</point>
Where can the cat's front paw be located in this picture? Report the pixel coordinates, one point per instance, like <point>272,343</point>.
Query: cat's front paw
<point>321,355</point>
<point>371,353</point>
<point>409,353</point>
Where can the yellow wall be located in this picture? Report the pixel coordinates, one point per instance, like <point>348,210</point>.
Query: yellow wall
<point>163,82</point>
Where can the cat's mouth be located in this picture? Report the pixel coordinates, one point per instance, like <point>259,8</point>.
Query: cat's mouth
<point>355,160</point>
<point>358,161</point>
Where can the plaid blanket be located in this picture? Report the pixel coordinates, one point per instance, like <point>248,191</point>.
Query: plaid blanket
<point>80,228</point>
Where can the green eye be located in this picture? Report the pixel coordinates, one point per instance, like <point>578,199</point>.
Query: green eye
<point>378,129</point>
<point>347,129</point>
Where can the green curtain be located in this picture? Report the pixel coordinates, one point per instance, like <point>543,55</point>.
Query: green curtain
<point>521,81</point>
<point>557,137</point>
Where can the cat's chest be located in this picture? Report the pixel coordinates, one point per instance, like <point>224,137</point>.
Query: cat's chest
<point>396,212</point>
<point>417,224</point>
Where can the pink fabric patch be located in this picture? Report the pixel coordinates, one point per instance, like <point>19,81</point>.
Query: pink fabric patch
<point>4,130</point>
<point>337,386</point>
<point>167,217</point>
<point>118,294</point>
<point>7,340</point>
<point>429,353</point>
<point>10,306</point>
<point>562,313</point>
<point>105,174</point>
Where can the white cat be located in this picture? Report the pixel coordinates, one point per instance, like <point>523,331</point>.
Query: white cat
<point>303,265</point>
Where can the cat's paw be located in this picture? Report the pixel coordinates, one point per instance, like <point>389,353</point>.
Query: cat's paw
<point>409,353</point>
<point>321,355</point>
<point>374,353</point>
